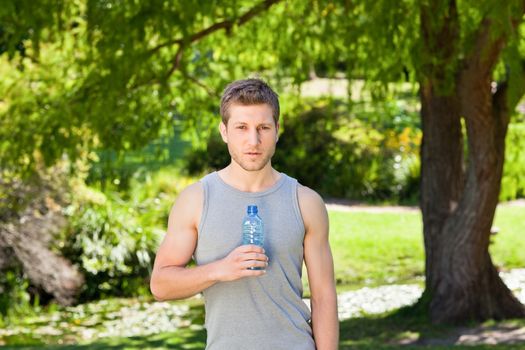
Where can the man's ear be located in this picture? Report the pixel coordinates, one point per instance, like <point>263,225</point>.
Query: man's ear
<point>277,126</point>
<point>224,132</point>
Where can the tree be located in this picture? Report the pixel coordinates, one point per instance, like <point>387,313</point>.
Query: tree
<point>459,205</point>
<point>142,60</point>
<point>457,51</point>
<point>81,75</point>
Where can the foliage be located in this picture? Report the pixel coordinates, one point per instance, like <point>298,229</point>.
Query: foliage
<point>513,181</point>
<point>110,246</point>
<point>14,299</point>
<point>113,236</point>
<point>342,152</point>
<point>109,167</point>
<point>97,74</point>
<point>108,243</point>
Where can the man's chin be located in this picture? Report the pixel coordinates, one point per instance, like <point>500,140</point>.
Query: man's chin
<point>253,166</point>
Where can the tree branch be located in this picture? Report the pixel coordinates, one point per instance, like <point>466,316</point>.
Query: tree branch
<point>177,59</point>
<point>210,91</point>
<point>440,31</point>
<point>226,24</point>
<point>486,50</point>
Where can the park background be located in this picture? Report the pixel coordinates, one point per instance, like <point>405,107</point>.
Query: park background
<point>109,108</point>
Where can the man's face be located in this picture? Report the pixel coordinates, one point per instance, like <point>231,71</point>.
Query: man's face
<point>251,135</point>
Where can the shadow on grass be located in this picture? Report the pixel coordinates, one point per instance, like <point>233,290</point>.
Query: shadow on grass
<point>404,329</point>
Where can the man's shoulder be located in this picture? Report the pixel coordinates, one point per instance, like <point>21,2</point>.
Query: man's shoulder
<point>306,194</point>
<point>191,196</point>
<point>311,204</point>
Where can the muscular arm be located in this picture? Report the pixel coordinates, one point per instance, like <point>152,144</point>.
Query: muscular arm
<point>320,267</point>
<point>171,278</point>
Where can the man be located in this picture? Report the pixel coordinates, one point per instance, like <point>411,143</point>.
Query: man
<point>247,308</point>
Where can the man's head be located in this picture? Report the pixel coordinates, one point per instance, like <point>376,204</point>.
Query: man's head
<point>250,123</point>
<point>249,92</point>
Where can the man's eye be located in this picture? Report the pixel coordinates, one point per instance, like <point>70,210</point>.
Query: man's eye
<point>242,127</point>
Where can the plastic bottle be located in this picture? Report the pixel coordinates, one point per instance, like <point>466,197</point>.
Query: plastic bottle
<point>252,229</point>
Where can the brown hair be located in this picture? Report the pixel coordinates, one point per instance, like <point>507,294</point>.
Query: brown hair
<point>249,92</point>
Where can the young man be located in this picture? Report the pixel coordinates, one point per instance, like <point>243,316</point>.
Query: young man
<point>246,308</point>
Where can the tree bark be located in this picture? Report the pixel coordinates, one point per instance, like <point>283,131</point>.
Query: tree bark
<point>458,209</point>
<point>44,268</point>
<point>25,240</point>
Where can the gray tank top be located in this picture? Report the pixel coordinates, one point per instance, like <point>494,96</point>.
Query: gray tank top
<point>265,312</point>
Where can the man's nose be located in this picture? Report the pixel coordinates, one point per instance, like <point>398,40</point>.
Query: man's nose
<point>253,137</point>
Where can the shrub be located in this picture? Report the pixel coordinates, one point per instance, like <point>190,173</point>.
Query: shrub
<point>113,236</point>
<point>342,155</point>
<point>109,244</point>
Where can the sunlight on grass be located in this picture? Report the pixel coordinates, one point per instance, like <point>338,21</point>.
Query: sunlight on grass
<point>376,248</point>
<point>379,248</point>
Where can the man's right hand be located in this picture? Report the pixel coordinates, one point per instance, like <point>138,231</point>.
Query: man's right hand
<point>236,264</point>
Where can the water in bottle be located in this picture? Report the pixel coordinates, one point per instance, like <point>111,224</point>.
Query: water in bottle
<point>253,229</point>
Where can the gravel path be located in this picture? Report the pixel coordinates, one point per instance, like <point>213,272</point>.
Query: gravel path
<point>370,301</point>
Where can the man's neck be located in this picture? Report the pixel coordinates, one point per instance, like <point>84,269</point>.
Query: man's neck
<point>249,181</point>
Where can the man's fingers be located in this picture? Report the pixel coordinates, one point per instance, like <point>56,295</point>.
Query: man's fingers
<point>255,256</point>
<point>255,263</point>
<point>247,248</point>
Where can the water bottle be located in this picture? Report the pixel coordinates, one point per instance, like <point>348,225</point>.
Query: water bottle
<point>253,229</point>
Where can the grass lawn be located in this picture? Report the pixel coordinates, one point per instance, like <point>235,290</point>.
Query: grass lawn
<point>376,248</point>
<point>369,249</point>
<point>379,248</point>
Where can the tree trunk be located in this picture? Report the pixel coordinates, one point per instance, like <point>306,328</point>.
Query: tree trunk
<point>461,280</point>
<point>462,283</point>
<point>26,235</point>
<point>44,268</point>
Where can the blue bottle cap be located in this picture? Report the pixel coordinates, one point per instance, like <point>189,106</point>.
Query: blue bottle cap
<point>252,209</point>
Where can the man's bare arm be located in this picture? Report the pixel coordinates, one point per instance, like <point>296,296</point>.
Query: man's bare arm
<point>171,278</point>
<point>320,267</point>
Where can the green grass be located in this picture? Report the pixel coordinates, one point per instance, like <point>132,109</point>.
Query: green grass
<point>379,248</point>
<point>508,249</point>
<point>373,248</point>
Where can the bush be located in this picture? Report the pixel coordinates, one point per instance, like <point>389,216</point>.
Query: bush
<point>109,245</point>
<point>14,298</point>
<point>113,236</point>
<point>346,156</point>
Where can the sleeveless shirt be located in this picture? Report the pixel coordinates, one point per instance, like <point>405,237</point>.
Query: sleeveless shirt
<point>264,312</point>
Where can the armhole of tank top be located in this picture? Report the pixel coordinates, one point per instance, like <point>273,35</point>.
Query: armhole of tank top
<point>296,207</point>
<point>204,182</point>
